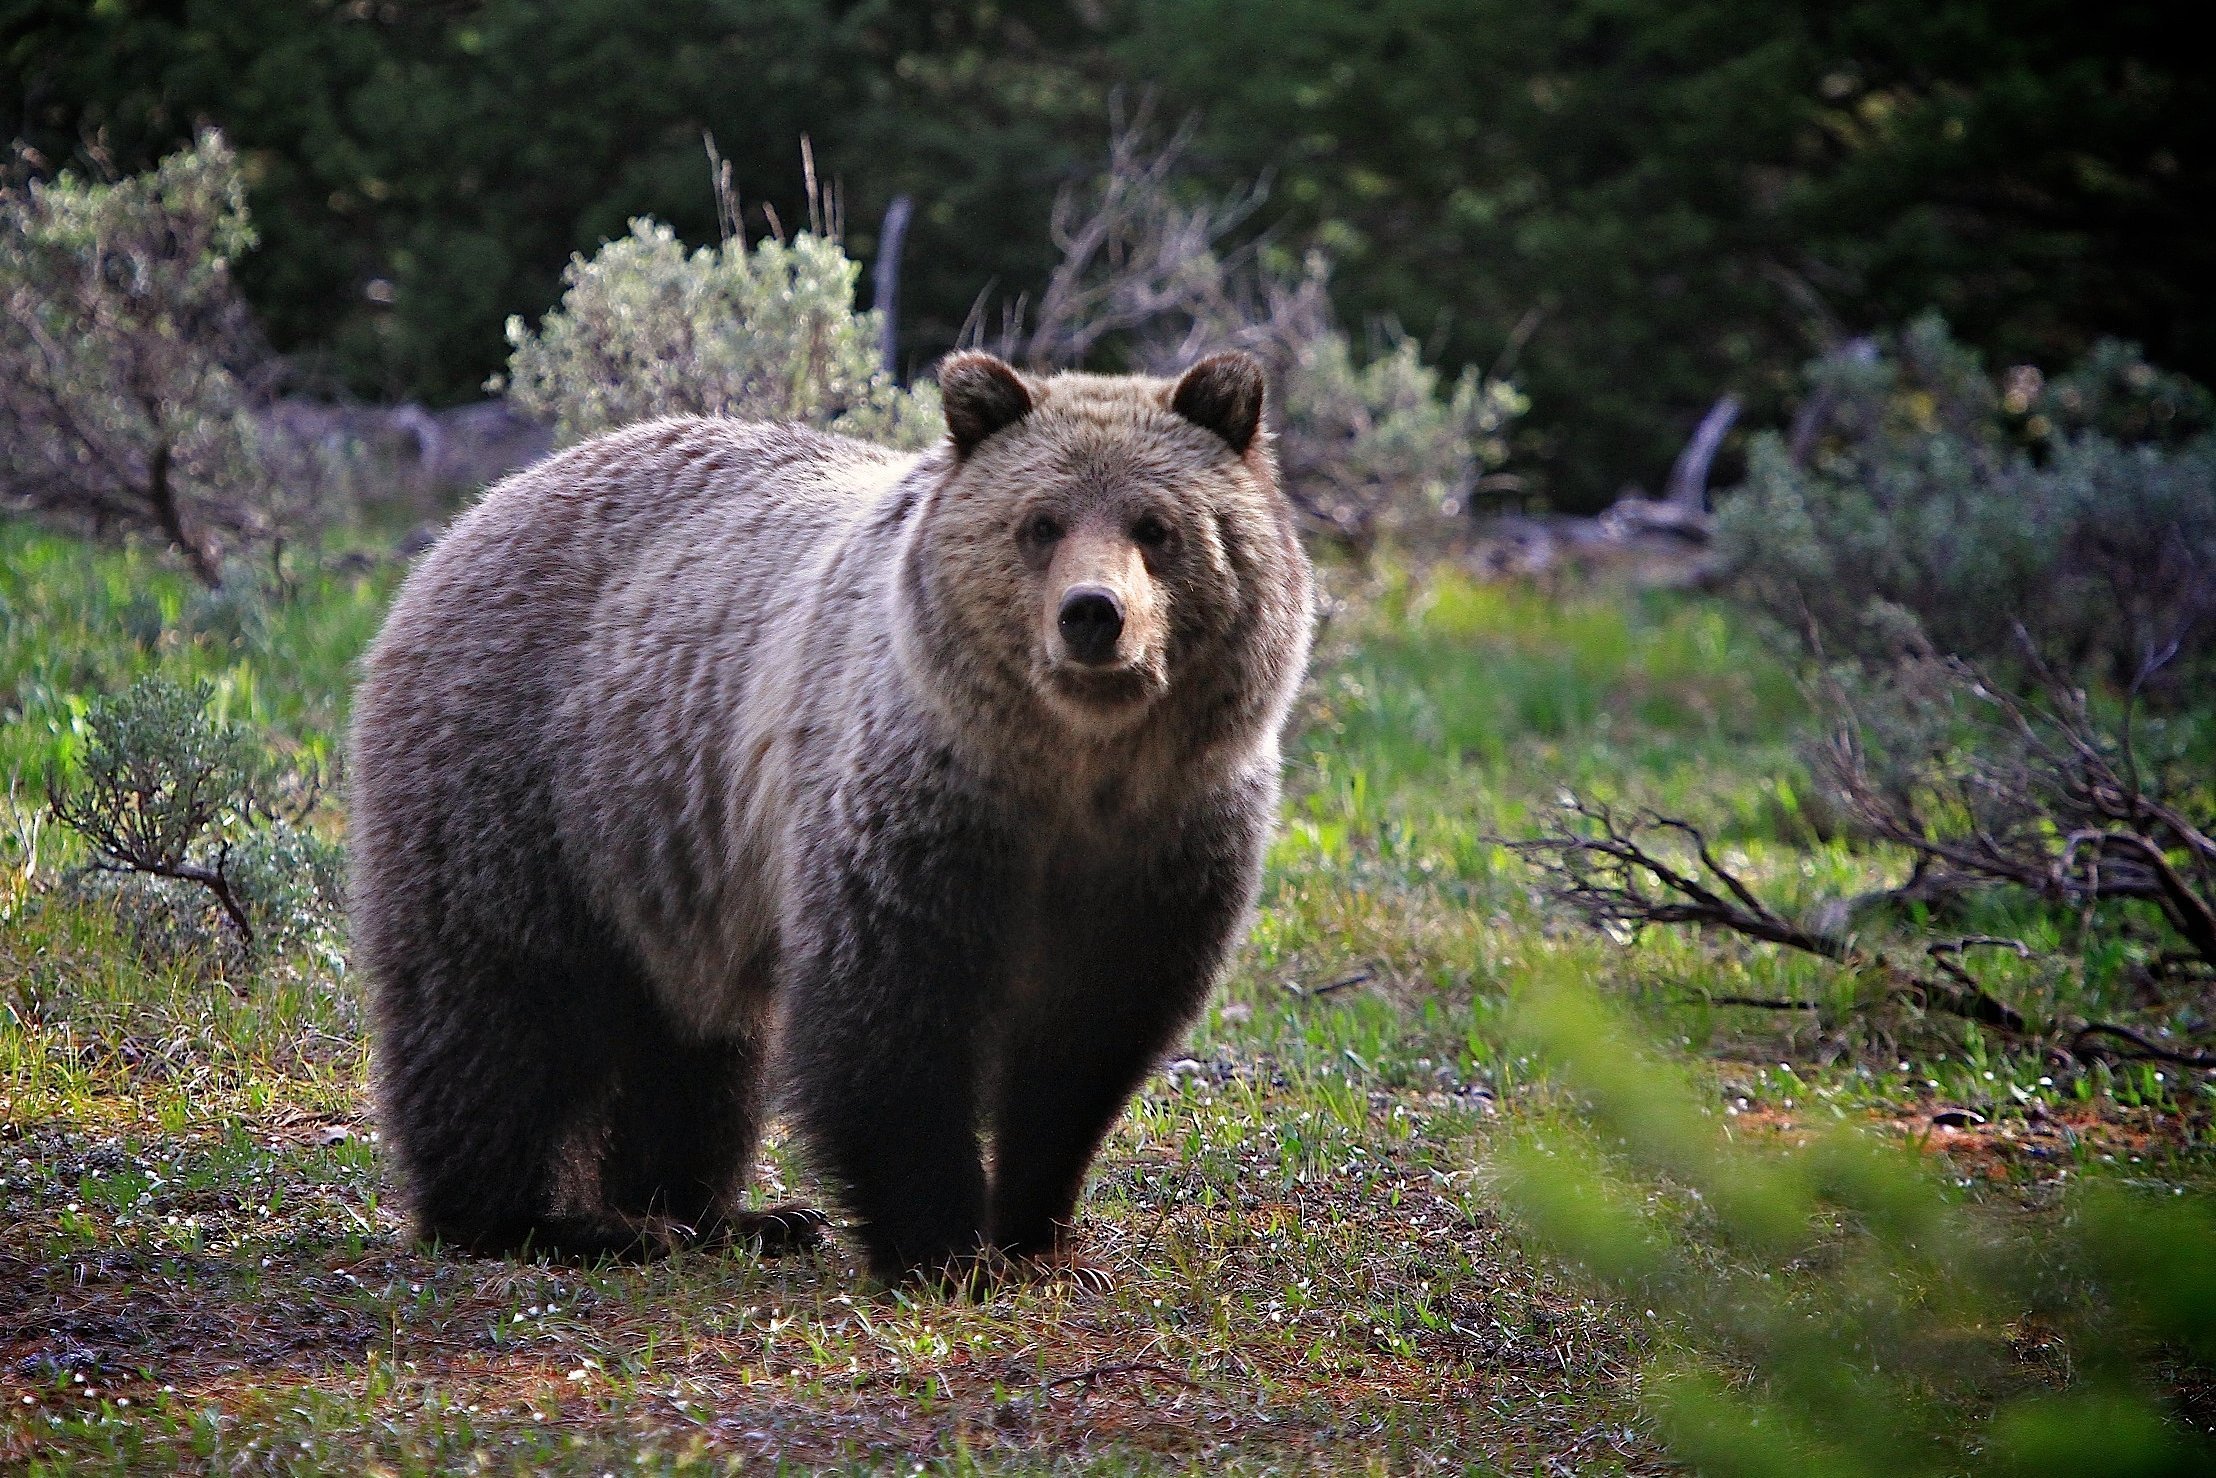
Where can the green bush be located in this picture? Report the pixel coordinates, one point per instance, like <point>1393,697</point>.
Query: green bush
<point>136,381</point>
<point>168,795</point>
<point>647,329</point>
<point>1938,510</point>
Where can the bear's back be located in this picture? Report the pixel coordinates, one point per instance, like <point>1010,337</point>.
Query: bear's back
<point>608,596</point>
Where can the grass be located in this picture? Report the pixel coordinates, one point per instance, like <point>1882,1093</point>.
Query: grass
<point>200,1264</point>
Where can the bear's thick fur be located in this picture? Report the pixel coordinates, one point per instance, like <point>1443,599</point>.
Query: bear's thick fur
<point>948,774</point>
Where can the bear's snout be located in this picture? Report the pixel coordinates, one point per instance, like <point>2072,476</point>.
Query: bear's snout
<point>1091,620</point>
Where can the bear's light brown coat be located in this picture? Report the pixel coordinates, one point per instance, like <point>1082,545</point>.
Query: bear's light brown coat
<point>702,725</point>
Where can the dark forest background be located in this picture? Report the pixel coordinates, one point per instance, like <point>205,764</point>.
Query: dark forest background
<point>1632,205</point>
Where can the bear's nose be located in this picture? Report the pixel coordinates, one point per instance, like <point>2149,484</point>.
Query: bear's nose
<point>1091,620</point>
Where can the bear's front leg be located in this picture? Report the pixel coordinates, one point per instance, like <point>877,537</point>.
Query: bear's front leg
<point>888,948</point>
<point>1130,947</point>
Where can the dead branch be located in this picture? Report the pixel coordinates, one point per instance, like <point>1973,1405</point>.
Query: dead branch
<point>2040,798</point>
<point>1610,877</point>
<point>1125,1367</point>
<point>2140,1046</point>
<point>1134,258</point>
<point>1345,982</point>
<point>885,280</point>
<point>116,819</point>
<point>1688,484</point>
<point>1960,994</point>
<point>1604,870</point>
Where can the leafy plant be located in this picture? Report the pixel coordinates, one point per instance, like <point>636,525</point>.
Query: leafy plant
<point>136,381</point>
<point>1830,1306</point>
<point>166,790</point>
<point>1389,449</point>
<point>1929,509</point>
<point>647,329</point>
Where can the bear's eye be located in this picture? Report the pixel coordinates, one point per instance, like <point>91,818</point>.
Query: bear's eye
<point>1150,532</point>
<point>1042,528</point>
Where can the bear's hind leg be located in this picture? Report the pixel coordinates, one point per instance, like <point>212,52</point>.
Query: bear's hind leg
<point>484,1105</point>
<point>499,1073</point>
<point>682,1126</point>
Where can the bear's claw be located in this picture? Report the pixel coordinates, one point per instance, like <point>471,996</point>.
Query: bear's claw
<point>773,1231</point>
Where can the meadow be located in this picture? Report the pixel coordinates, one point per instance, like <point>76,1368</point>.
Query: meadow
<point>1319,1215</point>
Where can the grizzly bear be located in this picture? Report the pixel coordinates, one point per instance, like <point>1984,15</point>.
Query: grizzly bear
<point>944,776</point>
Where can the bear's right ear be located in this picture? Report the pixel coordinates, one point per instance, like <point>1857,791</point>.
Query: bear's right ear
<point>981,395</point>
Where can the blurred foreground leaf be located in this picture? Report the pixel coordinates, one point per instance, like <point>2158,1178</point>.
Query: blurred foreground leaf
<point>1830,1305</point>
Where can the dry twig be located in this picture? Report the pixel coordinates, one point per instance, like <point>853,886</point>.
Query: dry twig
<point>1125,1367</point>
<point>2045,801</point>
<point>1606,870</point>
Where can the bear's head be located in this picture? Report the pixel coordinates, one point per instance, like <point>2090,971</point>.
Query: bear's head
<point>1105,548</point>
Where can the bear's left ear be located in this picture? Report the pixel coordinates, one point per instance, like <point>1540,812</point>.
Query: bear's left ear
<point>980,394</point>
<point>1223,393</point>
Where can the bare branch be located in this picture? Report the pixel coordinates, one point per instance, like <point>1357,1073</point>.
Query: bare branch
<point>1367,449</point>
<point>2140,1045</point>
<point>2035,796</point>
<point>1604,870</point>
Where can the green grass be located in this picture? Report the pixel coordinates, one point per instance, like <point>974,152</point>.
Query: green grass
<point>1303,1212</point>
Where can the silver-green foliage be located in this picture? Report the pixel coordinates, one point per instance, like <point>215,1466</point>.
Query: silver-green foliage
<point>1388,448</point>
<point>1374,448</point>
<point>134,374</point>
<point>166,790</point>
<point>1942,509</point>
<point>646,328</point>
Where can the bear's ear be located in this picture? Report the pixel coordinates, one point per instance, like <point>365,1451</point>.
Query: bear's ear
<point>1223,393</point>
<point>981,395</point>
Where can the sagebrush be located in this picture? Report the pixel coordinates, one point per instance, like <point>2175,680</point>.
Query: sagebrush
<point>769,333</point>
<point>1935,510</point>
<point>1375,447</point>
<point>166,790</point>
<point>138,389</point>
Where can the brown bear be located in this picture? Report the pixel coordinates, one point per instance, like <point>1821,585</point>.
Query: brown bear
<point>949,774</point>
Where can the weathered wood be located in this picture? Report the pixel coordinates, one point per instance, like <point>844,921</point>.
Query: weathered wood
<point>1688,484</point>
<point>885,280</point>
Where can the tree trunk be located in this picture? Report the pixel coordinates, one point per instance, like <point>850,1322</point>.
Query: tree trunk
<point>163,499</point>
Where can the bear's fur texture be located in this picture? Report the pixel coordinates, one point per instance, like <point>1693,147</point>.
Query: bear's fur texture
<point>950,774</point>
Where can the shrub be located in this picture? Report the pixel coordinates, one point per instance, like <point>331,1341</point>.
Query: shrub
<point>2052,794</point>
<point>165,793</point>
<point>137,385</point>
<point>293,882</point>
<point>1383,449</point>
<point>1934,509</point>
<point>1387,449</point>
<point>647,329</point>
